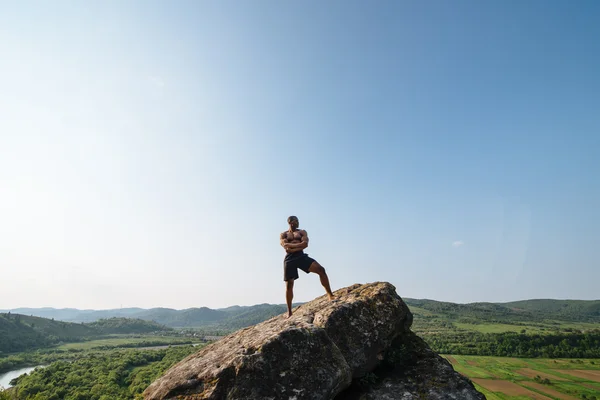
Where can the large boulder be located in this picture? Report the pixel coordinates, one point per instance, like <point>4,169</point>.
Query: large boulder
<point>315,354</point>
<point>412,371</point>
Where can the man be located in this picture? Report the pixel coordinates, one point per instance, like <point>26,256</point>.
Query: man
<point>294,241</point>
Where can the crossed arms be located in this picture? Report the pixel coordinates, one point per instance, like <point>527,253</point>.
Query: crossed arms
<point>292,247</point>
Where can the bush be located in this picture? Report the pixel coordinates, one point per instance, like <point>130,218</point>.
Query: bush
<point>4,395</point>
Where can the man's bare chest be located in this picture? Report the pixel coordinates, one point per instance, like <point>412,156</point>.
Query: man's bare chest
<point>295,236</point>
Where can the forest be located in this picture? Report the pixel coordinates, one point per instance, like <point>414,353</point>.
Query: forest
<point>110,375</point>
<point>511,344</point>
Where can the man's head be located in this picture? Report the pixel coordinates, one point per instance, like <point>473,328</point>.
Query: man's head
<point>293,222</point>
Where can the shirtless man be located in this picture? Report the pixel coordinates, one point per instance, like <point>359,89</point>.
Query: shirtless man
<point>294,241</point>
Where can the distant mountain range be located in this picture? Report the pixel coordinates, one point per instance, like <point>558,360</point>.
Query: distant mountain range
<point>237,317</point>
<point>234,317</point>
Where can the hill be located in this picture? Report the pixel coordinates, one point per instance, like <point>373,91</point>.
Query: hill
<point>248,316</point>
<point>235,317</point>
<point>22,332</point>
<point>534,328</point>
<point>192,317</point>
<point>74,314</point>
<point>570,310</point>
<point>518,311</point>
<point>126,325</point>
<point>471,313</point>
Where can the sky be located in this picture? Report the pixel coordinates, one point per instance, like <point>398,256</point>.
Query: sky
<point>151,151</point>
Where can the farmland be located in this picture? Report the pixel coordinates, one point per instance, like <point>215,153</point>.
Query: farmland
<point>531,378</point>
<point>525,350</point>
<point>487,329</point>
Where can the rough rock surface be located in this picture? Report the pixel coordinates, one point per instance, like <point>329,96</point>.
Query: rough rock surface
<point>316,354</point>
<point>412,371</point>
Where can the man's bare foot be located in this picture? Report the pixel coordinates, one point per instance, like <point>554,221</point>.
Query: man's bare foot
<point>289,315</point>
<point>331,297</point>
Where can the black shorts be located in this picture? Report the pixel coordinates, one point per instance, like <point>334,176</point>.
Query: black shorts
<point>292,262</point>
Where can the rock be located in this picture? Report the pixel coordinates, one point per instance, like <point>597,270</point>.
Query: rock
<point>316,354</point>
<point>412,371</point>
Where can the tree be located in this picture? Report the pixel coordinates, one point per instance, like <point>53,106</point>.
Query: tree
<point>4,395</point>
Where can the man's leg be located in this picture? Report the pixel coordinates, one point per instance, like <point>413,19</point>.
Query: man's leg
<point>316,268</point>
<point>289,295</point>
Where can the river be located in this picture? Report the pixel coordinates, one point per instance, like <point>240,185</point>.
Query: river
<point>6,377</point>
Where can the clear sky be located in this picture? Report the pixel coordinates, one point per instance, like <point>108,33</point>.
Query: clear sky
<point>151,151</point>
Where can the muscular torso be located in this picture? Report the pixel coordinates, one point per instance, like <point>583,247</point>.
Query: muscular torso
<point>293,237</point>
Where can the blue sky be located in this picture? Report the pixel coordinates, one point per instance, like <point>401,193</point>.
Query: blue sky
<point>150,152</point>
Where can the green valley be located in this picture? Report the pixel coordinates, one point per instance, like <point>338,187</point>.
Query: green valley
<point>21,332</point>
<point>521,343</point>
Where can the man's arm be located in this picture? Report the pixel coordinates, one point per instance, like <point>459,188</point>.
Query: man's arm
<point>283,240</point>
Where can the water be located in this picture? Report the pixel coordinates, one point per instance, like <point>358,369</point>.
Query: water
<point>6,377</point>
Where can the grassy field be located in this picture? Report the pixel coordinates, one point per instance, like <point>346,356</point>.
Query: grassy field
<point>515,378</point>
<point>498,328</point>
<point>122,341</point>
